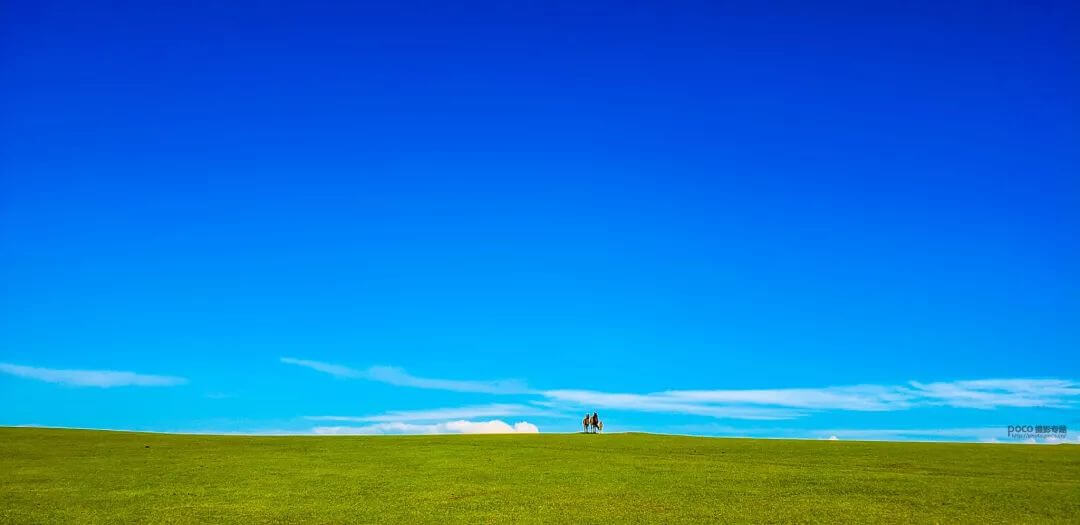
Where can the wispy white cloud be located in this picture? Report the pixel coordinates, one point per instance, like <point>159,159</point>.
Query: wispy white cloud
<point>95,378</point>
<point>327,368</point>
<point>494,426</point>
<point>914,434</point>
<point>444,414</point>
<point>789,403</point>
<point>664,403</point>
<point>399,377</point>
<point>982,434</point>
<point>858,397</point>
<point>993,393</point>
<point>748,404</point>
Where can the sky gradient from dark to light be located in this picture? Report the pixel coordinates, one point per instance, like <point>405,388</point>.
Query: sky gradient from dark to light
<point>774,219</point>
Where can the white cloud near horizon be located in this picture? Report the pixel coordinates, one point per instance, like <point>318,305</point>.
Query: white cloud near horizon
<point>858,397</point>
<point>664,404</point>
<point>443,414</point>
<point>399,377</point>
<point>986,434</point>
<point>94,378</point>
<point>916,434</point>
<point>494,426</point>
<point>748,404</point>
<point>790,403</point>
<point>977,434</point>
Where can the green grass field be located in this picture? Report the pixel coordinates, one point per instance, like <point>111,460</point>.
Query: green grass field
<point>74,476</point>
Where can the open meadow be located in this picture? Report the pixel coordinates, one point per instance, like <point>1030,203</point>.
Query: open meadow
<point>76,476</point>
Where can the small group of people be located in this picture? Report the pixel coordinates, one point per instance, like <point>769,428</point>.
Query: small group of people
<point>592,424</point>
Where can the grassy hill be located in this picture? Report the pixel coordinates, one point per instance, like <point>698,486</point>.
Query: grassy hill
<point>75,476</point>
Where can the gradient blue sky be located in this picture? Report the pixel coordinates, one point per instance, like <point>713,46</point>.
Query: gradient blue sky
<point>692,217</point>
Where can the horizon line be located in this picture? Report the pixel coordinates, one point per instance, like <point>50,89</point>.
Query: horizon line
<point>625,432</point>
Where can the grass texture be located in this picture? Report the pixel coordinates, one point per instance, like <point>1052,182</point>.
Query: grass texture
<point>81,476</point>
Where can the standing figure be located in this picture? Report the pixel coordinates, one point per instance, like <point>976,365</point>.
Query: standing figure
<point>585,424</point>
<point>595,421</point>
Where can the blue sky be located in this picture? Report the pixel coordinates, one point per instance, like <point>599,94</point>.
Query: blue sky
<point>781,220</point>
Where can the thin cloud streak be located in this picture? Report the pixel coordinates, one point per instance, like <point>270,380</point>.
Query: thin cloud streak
<point>443,414</point>
<point>917,434</point>
<point>968,434</point>
<point>983,394</point>
<point>992,393</point>
<point>859,397</point>
<point>399,377</point>
<point>326,368</point>
<point>664,404</point>
<point>749,404</point>
<point>93,378</point>
<point>494,426</point>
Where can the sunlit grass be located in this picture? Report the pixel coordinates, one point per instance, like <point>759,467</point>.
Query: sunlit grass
<point>70,476</point>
